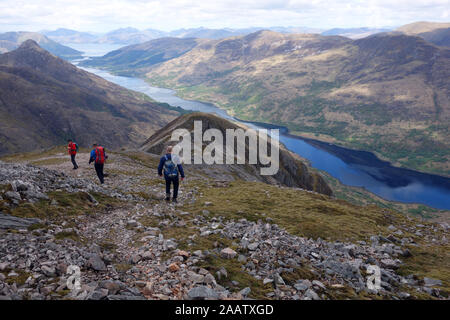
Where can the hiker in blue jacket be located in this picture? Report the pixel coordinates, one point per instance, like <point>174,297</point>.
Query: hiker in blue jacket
<point>98,155</point>
<point>172,171</point>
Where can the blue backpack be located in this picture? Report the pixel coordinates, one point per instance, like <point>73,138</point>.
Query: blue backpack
<point>170,168</point>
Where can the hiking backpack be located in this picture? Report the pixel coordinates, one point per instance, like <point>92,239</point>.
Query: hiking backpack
<point>99,155</point>
<point>170,168</point>
<point>73,148</point>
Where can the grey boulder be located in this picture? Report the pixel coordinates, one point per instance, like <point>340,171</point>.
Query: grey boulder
<point>202,293</point>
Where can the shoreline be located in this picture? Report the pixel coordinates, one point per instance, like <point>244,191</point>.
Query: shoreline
<point>346,154</point>
<point>331,147</point>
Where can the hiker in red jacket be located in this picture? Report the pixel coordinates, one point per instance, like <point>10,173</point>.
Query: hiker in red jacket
<point>73,148</point>
<point>98,155</point>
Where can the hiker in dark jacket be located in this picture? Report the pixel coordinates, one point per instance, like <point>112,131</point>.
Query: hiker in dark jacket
<point>72,147</point>
<point>98,155</point>
<point>172,171</point>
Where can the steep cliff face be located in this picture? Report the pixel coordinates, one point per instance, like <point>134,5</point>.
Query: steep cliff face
<point>292,171</point>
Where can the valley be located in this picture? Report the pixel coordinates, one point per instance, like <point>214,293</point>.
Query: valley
<point>359,111</point>
<point>385,93</point>
<point>359,177</point>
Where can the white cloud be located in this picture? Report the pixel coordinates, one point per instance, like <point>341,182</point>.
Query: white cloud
<point>105,15</point>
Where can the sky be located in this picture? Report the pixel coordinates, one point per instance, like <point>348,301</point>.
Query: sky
<point>106,15</point>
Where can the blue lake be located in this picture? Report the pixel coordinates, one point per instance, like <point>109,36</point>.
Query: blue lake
<point>351,167</point>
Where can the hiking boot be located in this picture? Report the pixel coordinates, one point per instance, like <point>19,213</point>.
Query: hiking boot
<point>174,200</point>
<point>167,198</point>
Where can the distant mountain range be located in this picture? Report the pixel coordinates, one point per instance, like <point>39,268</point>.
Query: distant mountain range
<point>128,36</point>
<point>437,33</point>
<point>70,36</point>
<point>12,40</point>
<point>388,93</point>
<point>44,100</point>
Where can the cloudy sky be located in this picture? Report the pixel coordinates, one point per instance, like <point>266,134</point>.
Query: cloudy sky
<point>106,15</point>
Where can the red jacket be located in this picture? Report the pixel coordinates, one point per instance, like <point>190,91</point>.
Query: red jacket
<point>72,148</point>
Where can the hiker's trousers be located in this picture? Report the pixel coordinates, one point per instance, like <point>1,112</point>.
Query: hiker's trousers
<point>176,183</point>
<point>99,170</point>
<point>72,158</point>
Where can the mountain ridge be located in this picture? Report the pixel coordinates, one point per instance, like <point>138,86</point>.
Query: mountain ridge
<point>292,171</point>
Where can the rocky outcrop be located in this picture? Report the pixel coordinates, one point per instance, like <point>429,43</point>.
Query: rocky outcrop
<point>10,222</point>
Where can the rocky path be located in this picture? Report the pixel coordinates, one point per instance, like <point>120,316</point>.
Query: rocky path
<point>112,265</point>
<point>136,248</point>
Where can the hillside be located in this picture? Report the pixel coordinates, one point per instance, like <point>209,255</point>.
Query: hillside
<point>439,37</point>
<point>434,32</point>
<point>387,93</point>
<point>12,40</point>
<point>292,172</point>
<point>136,59</point>
<point>234,239</point>
<point>44,100</point>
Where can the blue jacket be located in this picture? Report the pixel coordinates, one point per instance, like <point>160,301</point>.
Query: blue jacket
<point>161,166</point>
<point>94,156</point>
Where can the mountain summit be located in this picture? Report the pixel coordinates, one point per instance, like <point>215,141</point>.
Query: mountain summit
<point>30,44</point>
